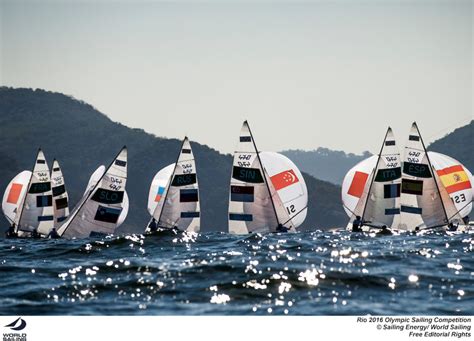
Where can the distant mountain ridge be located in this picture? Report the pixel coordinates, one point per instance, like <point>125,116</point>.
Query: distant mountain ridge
<point>325,164</point>
<point>82,138</point>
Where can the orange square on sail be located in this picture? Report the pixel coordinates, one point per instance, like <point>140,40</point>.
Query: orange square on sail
<point>14,194</point>
<point>358,184</point>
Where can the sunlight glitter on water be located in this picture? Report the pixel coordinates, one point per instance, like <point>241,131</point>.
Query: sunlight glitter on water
<point>305,273</point>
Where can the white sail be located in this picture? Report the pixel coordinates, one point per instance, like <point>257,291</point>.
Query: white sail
<point>357,179</point>
<point>36,211</point>
<point>456,179</point>
<point>177,205</point>
<point>288,188</point>
<point>381,204</point>
<point>100,208</point>
<point>421,202</point>
<point>158,187</point>
<point>251,208</point>
<point>14,195</point>
<point>125,208</point>
<point>60,196</point>
<point>94,178</point>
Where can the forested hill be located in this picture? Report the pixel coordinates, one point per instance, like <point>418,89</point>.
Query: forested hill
<point>459,144</point>
<point>82,138</point>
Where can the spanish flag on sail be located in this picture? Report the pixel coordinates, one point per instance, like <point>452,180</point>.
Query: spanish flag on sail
<point>454,178</point>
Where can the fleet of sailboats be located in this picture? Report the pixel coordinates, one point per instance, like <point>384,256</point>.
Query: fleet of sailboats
<point>420,191</point>
<point>409,191</point>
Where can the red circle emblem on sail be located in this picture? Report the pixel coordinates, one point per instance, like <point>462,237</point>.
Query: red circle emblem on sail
<point>284,179</point>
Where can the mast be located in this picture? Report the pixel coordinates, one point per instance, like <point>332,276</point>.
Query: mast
<point>432,172</point>
<point>374,173</point>
<point>169,182</point>
<point>27,190</point>
<point>264,173</point>
<point>91,191</point>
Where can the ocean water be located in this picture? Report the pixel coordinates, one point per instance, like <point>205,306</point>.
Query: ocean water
<point>317,273</point>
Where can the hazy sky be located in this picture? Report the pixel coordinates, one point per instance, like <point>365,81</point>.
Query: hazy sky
<point>317,73</point>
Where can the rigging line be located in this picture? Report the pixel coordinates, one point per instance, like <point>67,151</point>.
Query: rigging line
<point>434,173</point>
<point>462,208</point>
<point>349,209</point>
<point>374,173</point>
<point>264,174</point>
<point>295,215</point>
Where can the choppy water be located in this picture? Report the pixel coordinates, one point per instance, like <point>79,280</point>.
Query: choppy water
<point>318,273</point>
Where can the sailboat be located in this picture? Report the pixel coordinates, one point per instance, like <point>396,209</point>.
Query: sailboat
<point>27,201</point>
<point>380,196</point>
<point>60,196</point>
<point>423,200</point>
<point>173,199</point>
<point>267,191</point>
<point>100,209</point>
<point>435,190</point>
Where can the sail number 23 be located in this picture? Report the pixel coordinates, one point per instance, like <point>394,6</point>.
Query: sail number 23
<point>459,198</point>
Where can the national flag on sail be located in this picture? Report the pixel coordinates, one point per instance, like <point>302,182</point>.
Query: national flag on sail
<point>284,179</point>
<point>159,193</point>
<point>358,183</point>
<point>454,178</point>
<point>14,193</point>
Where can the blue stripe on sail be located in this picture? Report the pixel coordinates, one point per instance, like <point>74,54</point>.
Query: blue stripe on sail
<point>414,138</point>
<point>45,218</point>
<point>188,195</point>
<point>60,219</point>
<point>390,143</point>
<point>391,191</point>
<point>120,163</point>
<point>107,214</point>
<point>241,197</point>
<point>392,211</point>
<point>189,214</point>
<point>240,217</point>
<point>44,200</point>
<point>245,139</point>
<point>409,209</point>
<point>186,151</point>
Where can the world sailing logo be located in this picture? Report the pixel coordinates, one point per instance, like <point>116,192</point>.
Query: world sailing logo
<point>17,325</point>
